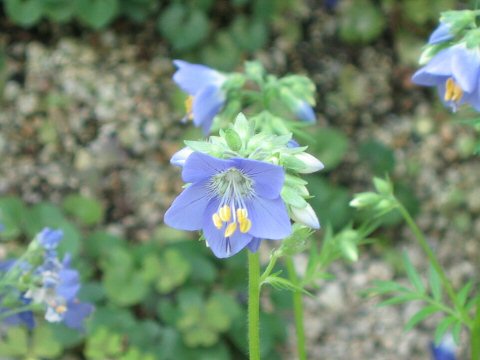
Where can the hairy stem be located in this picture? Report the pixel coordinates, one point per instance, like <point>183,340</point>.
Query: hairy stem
<point>298,309</point>
<point>254,306</point>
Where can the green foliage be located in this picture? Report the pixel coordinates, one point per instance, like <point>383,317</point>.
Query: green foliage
<point>189,27</point>
<point>153,301</point>
<point>432,298</point>
<point>361,22</point>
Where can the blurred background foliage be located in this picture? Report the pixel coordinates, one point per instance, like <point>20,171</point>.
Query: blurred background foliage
<point>168,298</point>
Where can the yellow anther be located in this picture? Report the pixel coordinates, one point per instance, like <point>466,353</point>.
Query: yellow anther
<point>230,229</point>
<point>217,221</point>
<point>225,213</point>
<point>245,225</point>
<point>453,92</point>
<point>189,107</point>
<point>241,214</point>
<point>61,309</point>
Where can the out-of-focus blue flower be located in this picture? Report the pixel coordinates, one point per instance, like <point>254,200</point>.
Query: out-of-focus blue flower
<point>304,111</point>
<point>50,238</point>
<point>204,85</point>
<point>440,34</point>
<point>445,350</point>
<point>179,158</point>
<point>455,72</point>
<point>233,201</point>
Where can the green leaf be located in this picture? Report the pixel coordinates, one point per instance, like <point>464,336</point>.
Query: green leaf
<point>44,343</point>
<point>13,214</point>
<point>283,284</point>
<point>103,344</point>
<point>174,271</point>
<point>398,300</point>
<point>382,287</point>
<point>87,210</point>
<point>15,342</point>
<point>462,295</point>
<point>435,284</point>
<point>96,13</point>
<point>413,275</point>
<point>249,34</point>
<point>457,328</point>
<point>379,157</point>
<point>59,10</point>
<point>184,27</point>
<point>420,316</point>
<point>331,146</point>
<point>442,328</point>
<point>24,12</point>
<point>361,21</point>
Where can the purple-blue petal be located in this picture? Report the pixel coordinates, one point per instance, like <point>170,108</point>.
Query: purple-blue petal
<point>465,67</point>
<point>179,158</point>
<point>206,105</point>
<point>305,112</point>
<point>191,78</point>
<point>69,284</point>
<point>221,246</point>
<point>76,314</point>
<point>186,211</point>
<point>440,34</point>
<point>50,238</point>
<point>199,167</point>
<point>269,218</point>
<point>268,178</point>
<point>254,244</point>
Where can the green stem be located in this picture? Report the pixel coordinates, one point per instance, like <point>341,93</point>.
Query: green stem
<point>475,334</point>
<point>268,270</point>
<point>422,241</point>
<point>298,309</point>
<point>254,306</point>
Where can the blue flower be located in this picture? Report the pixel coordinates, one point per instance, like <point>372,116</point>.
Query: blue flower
<point>440,34</point>
<point>204,85</point>
<point>235,202</point>
<point>304,111</point>
<point>455,72</point>
<point>445,350</point>
<point>50,238</point>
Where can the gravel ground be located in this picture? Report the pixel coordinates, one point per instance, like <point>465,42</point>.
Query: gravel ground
<point>92,115</point>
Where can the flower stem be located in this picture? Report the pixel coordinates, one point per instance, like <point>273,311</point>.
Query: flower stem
<point>297,309</point>
<point>254,306</point>
<point>422,241</point>
<point>11,312</point>
<point>475,335</point>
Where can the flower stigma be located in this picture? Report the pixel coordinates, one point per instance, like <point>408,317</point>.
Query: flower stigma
<point>233,187</point>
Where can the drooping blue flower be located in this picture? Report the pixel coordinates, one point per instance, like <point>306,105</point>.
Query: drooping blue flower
<point>204,86</point>
<point>234,202</point>
<point>303,111</point>
<point>440,34</point>
<point>50,238</point>
<point>445,350</point>
<point>455,72</point>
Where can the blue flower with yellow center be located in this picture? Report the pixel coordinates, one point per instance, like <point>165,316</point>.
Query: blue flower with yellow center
<point>235,202</point>
<point>204,86</point>
<point>455,72</point>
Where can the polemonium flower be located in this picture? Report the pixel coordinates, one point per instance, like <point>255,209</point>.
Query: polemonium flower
<point>440,34</point>
<point>445,350</point>
<point>304,111</point>
<point>232,201</point>
<point>50,238</point>
<point>204,86</point>
<point>455,72</point>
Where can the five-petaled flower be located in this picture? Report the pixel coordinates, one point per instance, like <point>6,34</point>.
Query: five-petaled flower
<point>455,72</point>
<point>236,202</point>
<point>204,86</point>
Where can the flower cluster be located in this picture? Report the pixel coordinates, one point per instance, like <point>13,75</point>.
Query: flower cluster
<point>54,285</point>
<point>209,92</point>
<point>242,189</point>
<point>452,61</point>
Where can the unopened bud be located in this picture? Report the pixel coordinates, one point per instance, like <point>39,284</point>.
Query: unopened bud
<point>305,216</point>
<point>312,164</point>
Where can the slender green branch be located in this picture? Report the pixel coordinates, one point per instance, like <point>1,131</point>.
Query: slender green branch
<point>475,334</point>
<point>268,270</point>
<point>254,306</point>
<point>422,241</point>
<point>298,310</point>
